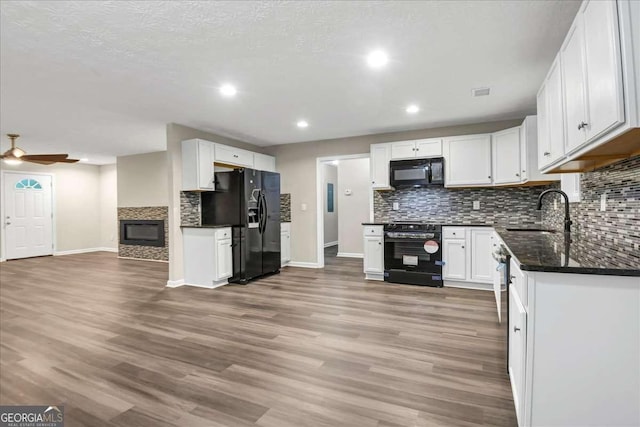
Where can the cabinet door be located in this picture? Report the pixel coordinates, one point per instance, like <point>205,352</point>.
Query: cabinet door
<point>574,86</point>
<point>403,150</point>
<point>380,156</point>
<point>605,102</point>
<point>482,263</point>
<point>373,255</point>
<point>468,160</point>
<point>455,260</point>
<point>233,156</point>
<point>205,165</point>
<point>517,351</point>
<point>556,116</point>
<point>506,156</point>
<point>429,147</point>
<point>262,162</point>
<point>544,149</point>
<point>285,248</point>
<point>224,259</point>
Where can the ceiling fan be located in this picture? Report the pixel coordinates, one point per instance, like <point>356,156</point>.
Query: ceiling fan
<point>16,155</point>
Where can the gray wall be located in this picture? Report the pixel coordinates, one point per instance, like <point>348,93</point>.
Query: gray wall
<point>175,135</point>
<point>353,174</point>
<point>330,176</point>
<point>297,166</point>
<point>143,180</point>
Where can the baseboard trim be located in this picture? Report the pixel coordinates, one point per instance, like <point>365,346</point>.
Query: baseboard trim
<point>175,283</point>
<point>468,285</point>
<point>83,251</point>
<point>303,264</point>
<point>350,255</point>
<point>142,259</point>
<point>212,286</point>
<point>2,260</point>
<point>328,245</point>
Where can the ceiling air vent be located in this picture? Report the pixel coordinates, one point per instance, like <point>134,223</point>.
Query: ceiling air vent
<point>480,91</point>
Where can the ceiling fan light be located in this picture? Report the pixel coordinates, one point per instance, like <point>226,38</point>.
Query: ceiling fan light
<point>13,161</point>
<point>18,152</point>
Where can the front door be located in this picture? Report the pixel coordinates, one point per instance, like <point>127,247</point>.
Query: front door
<point>27,210</point>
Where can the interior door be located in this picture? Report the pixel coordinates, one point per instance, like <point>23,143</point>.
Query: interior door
<point>27,209</point>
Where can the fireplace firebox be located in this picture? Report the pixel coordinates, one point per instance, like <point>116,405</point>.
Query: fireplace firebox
<point>142,232</point>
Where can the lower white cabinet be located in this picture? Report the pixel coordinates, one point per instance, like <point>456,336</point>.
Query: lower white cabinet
<point>467,257</point>
<point>574,347</point>
<point>373,252</point>
<point>208,256</point>
<point>285,243</point>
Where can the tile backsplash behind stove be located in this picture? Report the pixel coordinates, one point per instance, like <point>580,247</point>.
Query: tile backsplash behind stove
<point>515,205</point>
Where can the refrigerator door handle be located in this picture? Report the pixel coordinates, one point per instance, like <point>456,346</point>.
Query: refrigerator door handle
<point>264,212</point>
<point>260,212</point>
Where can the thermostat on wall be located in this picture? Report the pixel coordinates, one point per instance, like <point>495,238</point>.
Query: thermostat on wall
<point>347,192</point>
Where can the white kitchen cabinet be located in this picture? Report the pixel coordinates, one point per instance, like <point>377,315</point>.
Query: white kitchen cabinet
<point>416,149</point>
<point>468,160</point>
<point>592,73</point>
<point>551,117</point>
<point>482,262</point>
<point>373,252</point>
<point>208,256</point>
<point>197,165</point>
<point>233,156</point>
<point>285,243</point>
<point>506,156</point>
<point>517,351</point>
<point>455,260</point>
<point>263,162</point>
<point>380,157</point>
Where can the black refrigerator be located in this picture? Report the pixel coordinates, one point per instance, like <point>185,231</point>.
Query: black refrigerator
<point>248,200</point>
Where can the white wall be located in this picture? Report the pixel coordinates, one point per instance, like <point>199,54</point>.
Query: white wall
<point>77,192</point>
<point>353,174</point>
<point>330,176</point>
<point>109,207</point>
<point>143,180</point>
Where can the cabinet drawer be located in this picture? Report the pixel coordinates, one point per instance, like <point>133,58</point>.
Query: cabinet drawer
<point>454,232</point>
<point>233,156</point>
<point>519,282</point>
<point>223,233</point>
<point>373,230</point>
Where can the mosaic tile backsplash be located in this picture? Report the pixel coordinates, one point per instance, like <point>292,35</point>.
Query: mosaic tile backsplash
<point>614,232</point>
<point>285,207</point>
<point>190,208</point>
<point>514,205</point>
<point>146,252</point>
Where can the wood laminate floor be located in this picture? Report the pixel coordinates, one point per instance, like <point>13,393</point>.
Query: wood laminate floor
<point>106,339</point>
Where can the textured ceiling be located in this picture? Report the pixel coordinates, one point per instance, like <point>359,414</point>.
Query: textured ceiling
<point>100,79</point>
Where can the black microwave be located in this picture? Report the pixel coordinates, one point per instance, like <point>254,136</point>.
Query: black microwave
<point>417,172</point>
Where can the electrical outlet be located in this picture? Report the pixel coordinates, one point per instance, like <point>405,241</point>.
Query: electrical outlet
<point>396,206</point>
<point>603,202</point>
<point>476,204</point>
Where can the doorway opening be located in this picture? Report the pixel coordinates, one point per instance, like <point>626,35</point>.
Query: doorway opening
<point>345,201</point>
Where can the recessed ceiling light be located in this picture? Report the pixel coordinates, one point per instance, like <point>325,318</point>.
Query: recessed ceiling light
<point>377,59</point>
<point>480,91</point>
<point>302,124</point>
<point>228,90</point>
<point>412,109</point>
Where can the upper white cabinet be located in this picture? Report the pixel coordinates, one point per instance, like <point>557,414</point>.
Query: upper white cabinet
<point>506,156</point>
<point>197,165</point>
<point>598,120</point>
<point>264,162</point>
<point>233,156</point>
<point>551,117</point>
<point>380,157</point>
<point>467,160</point>
<point>416,149</point>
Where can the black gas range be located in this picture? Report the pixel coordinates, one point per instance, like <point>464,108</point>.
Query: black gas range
<point>413,253</point>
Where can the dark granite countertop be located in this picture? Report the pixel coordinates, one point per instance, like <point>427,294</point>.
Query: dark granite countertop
<point>206,226</point>
<point>559,252</point>
<point>456,224</point>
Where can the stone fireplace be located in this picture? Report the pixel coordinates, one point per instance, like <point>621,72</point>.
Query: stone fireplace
<point>144,233</point>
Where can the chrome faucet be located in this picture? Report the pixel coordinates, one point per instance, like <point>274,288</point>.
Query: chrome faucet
<point>567,220</point>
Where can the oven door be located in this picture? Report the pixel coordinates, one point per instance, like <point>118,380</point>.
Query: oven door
<point>413,254</point>
<point>410,173</point>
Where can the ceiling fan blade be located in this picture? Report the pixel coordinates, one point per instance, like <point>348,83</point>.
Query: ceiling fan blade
<point>48,157</point>
<point>40,162</point>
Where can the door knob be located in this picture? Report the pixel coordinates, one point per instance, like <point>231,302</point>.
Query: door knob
<point>516,329</point>
<point>582,125</point>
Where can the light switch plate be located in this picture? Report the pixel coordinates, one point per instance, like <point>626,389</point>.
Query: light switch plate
<point>476,204</point>
<point>303,206</point>
<point>396,206</point>
<point>603,202</point>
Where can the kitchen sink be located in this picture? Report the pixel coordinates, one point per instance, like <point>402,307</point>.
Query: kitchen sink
<point>539,230</point>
